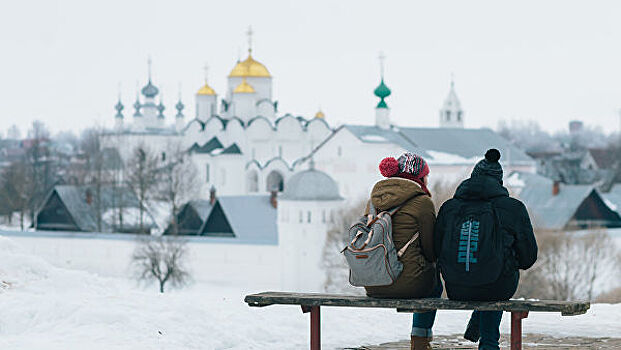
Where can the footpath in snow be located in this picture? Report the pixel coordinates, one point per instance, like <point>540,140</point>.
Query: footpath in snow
<point>46,307</point>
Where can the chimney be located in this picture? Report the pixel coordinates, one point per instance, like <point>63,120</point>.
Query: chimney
<point>89,197</point>
<point>556,187</point>
<point>212,195</point>
<point>274,199</point>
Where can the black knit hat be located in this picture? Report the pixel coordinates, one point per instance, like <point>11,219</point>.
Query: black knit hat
<point>489,166</point>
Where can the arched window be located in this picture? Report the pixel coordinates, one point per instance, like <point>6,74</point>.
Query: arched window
<point>448,115</point>
<point>459,116</point>
<point>252,181</point>
<point>274,182</point>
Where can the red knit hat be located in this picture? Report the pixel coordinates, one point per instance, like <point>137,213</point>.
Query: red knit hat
<point>409,166</point>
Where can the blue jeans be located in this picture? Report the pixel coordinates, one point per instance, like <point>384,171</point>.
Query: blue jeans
<point>489,323</point>
<point>422,322</point>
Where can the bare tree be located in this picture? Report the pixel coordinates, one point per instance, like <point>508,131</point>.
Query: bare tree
<point>13,133</point>
<point>142,171</point>
<point>96,171</point>
<point>40,163</point>
<point>161,259</point>
<point>17,189</point>
<point>333,261</point>
<point>572,266</point>
<point>179,181</point>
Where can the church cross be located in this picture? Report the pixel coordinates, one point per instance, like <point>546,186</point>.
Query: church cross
<point>381,58</point>
<point>249,33</point>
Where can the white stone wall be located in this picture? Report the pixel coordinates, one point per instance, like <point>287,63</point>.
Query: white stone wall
<point>303,226</point>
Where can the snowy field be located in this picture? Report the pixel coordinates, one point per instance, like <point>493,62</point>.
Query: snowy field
<point>48,307</point>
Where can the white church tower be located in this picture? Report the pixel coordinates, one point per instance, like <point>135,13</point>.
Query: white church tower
<point>305,212</point>
<point>451,114</point>
<point>249,91</point>
<point>206,101</point>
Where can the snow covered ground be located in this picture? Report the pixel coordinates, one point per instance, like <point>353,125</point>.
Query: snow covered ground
<point>47,307</point>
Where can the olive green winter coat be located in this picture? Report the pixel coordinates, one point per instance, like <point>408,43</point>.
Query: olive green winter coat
<point>417,214</point>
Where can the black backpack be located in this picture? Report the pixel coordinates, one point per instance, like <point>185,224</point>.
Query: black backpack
<point>472,248</point>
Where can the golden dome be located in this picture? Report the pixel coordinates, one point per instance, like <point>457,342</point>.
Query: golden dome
<point>320,115</point>
<point>244,87</point>
<point>250,68</point>
<point>206,90</point>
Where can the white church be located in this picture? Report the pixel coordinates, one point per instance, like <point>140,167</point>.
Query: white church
<point>243,146</point>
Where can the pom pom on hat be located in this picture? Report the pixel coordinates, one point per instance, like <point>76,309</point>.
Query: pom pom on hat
<point>492,155</point>
<point>389,167</point>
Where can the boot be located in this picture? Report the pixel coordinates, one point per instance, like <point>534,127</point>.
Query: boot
<point>420,343</point>
<point>472,330</point>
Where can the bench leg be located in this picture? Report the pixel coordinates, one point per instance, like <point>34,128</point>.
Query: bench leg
<point>516,329</point>
<point>315,326</point>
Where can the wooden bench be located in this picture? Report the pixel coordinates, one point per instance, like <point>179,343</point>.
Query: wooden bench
<point>310,302</point>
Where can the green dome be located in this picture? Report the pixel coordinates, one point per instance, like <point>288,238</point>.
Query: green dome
<point>382,91</point>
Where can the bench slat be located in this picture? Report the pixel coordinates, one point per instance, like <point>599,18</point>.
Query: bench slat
<point>566,308</point>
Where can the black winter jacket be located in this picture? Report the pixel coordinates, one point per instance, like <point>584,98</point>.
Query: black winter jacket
<point>519,239</point>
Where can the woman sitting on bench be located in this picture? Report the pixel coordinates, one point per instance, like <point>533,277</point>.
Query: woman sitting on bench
<point>406,186</point>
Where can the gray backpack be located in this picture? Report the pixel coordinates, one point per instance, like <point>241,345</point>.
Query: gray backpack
<point>371,254</point>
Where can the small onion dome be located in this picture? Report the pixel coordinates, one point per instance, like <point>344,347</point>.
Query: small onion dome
<point>137,107</point>
<point>206,90</point>
<point>179,106</point>
<point>119,108</point>
<point>382,91</point>
<point>161,109</point>
<point>311,185</point>
<point>250,68</point>
<point>244,88</point>
<point>320,115</point>
<point>150,90</point>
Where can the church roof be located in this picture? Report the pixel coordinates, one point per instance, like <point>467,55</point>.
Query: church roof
<point>469,144</point>
<point>209,146</point>
<point>250,68</point>
<point>232,149</point>
<point>374,134</point>
<point>451,102</point>
<point>311,185</point>
<point>150,90</point>
<point>244,88</point>
<point>206,90</point>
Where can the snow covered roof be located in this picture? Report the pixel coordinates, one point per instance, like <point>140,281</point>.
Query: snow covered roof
<point>311,185</point>
<point>613,198</point>
<point>202,207</point>
<point>443,145</point>
<point>232,149</point>
<point>74,198</point>
<point>469,145</point>
<point>374,134</point>
<point>252,219</point>
<point>549,211</point>
<point>209,146</point>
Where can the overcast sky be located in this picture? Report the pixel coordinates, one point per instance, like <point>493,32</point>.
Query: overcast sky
<point>550,61</point>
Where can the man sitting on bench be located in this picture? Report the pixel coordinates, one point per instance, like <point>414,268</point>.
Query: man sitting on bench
<point>481,238</point>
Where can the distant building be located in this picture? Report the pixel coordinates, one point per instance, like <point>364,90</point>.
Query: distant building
<point>242,144</point>
<point>556,206</point>
<point>296,223</point>
<point>76,208</point>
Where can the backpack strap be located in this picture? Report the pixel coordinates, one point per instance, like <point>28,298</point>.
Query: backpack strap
<point>372,219</point>
<point>405,247</point>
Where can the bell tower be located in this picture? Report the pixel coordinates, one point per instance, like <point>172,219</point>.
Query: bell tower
<point>451,113</point>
